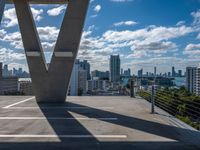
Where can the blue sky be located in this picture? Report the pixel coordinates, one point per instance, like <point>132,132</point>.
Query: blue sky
<point>146,33</point>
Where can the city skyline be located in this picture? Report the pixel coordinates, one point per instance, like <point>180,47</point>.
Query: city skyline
<point>122,70</point>
<point>174,26</point>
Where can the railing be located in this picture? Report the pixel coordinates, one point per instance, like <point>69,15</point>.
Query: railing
<point>186,108</point>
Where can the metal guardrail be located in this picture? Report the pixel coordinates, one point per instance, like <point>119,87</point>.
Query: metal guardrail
<point>186,110</point>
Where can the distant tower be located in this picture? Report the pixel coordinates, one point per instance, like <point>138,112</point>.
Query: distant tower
<point>179,73</point>
<point>129,72</point>
<point>122,72</point>
<point>114,68</point>
<point>140,73</point>
<point>154,71</point>
<point>173,72</point>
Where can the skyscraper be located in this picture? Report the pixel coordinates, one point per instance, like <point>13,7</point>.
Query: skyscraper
<point>114,68</point>
<point>140,73</point>
<point>179,73</point>
<point>173,72</point>
<point>154,71</point>
<point>191,79</point>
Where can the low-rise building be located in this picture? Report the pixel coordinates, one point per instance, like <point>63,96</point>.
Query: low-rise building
<point>25,86</point>
<point>96,85</point>
<point>8,85</point>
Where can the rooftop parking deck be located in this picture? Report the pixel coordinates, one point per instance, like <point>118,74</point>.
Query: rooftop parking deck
<point>91,123</point>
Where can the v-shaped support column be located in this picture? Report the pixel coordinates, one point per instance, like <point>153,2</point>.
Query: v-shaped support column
<point>51,83</point>
<point>2,5</point>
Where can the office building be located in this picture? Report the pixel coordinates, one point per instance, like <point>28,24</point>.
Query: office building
<point>114,68</point>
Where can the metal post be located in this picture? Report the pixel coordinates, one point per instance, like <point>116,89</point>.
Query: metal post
<point>2,5</point>
<point>153,99</point>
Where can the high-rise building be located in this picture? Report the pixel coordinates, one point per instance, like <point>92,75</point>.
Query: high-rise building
<point>78,79</point>
<point>169,74</point>
<point>114,68</point>
<point>127,73</point>
<point>180,73</point>
<point>86,66</point>
<point>154,71</point>
<point>173,72</point>
<point>197,89</point>
<point>122,72</point>
<point>191,79</point>
<point>140,73</point>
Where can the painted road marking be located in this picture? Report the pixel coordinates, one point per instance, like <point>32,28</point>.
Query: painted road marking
<point>54,118</point>
<point>19,102</point>
<point>62,136</point>
<point>58,107</point>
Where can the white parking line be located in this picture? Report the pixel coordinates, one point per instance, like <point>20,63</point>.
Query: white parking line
<point>58,107</point>
<point>19,102</point>
<point>63,136</point>
<point>54,118</point>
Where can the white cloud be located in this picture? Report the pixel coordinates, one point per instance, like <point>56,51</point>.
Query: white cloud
<point>198,36</point>
<point>97,8</point>
<point>10,55</point>
<point>180,23</point>
<point>125,23</point>
<point>147,34</point>
<point>48,35</point>
<point>10,18</point>
<point>56,11</point>
<point>122,0</point>
<point>196,16</point>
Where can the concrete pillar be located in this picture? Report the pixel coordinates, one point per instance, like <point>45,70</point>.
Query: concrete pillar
<point>51,83</point>
<point>2,5</point>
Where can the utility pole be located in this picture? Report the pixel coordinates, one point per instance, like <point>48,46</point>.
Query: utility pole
<point>153,99</point>
<point>132,89</point>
